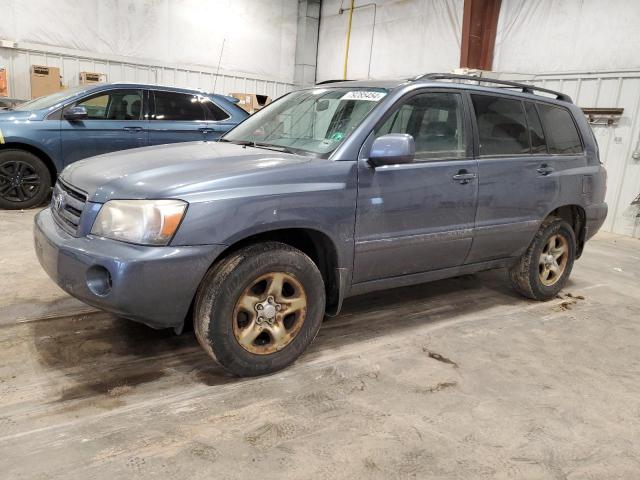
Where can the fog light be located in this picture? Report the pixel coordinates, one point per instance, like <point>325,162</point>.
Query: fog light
<point>99,280</point>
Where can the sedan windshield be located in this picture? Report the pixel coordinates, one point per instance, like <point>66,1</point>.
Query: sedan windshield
<point>51,100</point>
<point>309,121</point>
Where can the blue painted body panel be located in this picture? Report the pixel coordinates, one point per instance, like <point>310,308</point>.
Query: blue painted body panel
<point>62,142</point>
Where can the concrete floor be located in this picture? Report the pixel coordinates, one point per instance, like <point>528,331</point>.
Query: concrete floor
<point>459,378</point>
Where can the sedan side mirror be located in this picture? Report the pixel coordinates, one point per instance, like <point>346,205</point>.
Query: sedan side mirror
<point>75,113</point>
<point>392,149</point>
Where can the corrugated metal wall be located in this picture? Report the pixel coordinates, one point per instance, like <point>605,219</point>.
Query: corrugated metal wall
<point>617,142</point>
<point>18,62</point>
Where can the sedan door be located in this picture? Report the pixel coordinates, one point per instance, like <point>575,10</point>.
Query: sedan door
<point>177,117</point>
<point>418,217</point>
<point>114,122</point>
<point>218,120</point>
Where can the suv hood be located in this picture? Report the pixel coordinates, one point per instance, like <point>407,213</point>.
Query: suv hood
<point>184,170</point>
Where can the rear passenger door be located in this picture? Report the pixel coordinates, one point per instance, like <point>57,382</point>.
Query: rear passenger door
<point>518,176</point>
<point>418,217</point>
<point>218,121</point>
<point>176,117</point>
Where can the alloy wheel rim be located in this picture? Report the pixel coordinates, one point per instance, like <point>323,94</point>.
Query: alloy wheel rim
<point>553,259</point>
<point>269,313</point>
<point>19,181</point>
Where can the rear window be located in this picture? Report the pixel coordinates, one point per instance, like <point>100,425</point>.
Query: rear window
<point>502,128</point>
<point>562,135</point>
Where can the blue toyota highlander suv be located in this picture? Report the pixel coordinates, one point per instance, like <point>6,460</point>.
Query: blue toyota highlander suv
<point>41,137</point>
<point>330,191</point>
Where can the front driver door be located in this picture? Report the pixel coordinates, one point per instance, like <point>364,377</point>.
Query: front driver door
<point>418,217</point>
<point>115,122</point>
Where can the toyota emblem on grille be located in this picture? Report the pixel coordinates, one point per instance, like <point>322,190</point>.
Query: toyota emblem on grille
<point>59,201</point>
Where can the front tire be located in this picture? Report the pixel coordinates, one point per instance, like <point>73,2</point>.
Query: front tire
<point>546,265</point>
<point>257,310</point>
<point>25,180</point>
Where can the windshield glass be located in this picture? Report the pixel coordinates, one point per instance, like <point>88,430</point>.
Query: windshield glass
<point>51,100</point>
<point>309,121</point>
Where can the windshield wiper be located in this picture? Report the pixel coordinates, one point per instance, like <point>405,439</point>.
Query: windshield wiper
<point>270,146</point>
<point>244,143</point>
<point>251,143</point>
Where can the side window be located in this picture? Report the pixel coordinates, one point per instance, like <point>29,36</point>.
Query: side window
<point>114,105</point>
<point>502,129</point>
<point>536,134</point>
<point>178,106</point>
<point>213,111</point>
<point>562,133</point>
<point>435,120</point>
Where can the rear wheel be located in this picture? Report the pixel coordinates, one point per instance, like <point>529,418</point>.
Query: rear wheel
<point>25,180</point>
<point>258,309</point>
<point>546,265</point>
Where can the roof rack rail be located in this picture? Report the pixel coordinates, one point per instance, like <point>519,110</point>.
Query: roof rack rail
<point>525,87</point>
<point>333,81</point>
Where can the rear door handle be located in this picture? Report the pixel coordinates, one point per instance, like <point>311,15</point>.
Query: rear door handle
<point>133,129</point>
<point>464,177</point>
<point>544,169</point>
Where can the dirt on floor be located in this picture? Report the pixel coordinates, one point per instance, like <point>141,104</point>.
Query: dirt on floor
<point>460,378</point>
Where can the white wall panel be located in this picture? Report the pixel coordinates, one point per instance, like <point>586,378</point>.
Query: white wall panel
<point>259,36</point>
<point>408,37</point>
<point>536,36</point>
<point>18,62</point>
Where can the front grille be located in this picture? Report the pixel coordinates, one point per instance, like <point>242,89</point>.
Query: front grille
<point>67,204</point>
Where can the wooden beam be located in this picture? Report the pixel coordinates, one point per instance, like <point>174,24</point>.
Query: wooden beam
<point>479,25</point>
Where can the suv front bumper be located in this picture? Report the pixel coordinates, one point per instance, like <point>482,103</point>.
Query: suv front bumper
<point>152,285</point>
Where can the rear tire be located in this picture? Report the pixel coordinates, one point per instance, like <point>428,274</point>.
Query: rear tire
<point>546,265</point>
<point>25,181</point>
<point>257,310</point>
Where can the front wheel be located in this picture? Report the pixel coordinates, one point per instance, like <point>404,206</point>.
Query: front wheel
<point>257,310</point>
<point>25,180</point>
<point>546,265</point>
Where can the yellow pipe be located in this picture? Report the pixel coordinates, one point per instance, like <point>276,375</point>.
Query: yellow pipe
<point>346,53</point>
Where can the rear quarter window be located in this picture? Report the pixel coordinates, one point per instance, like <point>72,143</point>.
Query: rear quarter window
<point>561,132</point>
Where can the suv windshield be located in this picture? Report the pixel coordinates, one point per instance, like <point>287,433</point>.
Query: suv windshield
<point>309,121</point>
<point>51,100</point>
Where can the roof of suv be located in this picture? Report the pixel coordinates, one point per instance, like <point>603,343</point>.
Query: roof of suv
<point>454,81</point>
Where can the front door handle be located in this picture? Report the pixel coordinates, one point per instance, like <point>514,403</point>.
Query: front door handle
<point>133,129</point>
<point>464,177</point>
<point>544,169</point>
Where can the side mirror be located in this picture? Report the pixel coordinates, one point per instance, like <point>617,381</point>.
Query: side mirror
<point>392,149</point>
<point>75,113</point>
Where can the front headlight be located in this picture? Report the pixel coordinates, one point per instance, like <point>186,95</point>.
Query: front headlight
<point>146,222</point>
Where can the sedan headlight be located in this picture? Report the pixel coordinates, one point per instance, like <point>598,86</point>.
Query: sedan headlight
<point>146,222</point>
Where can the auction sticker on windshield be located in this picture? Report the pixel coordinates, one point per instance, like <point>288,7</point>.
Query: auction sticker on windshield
<point>363,95</point>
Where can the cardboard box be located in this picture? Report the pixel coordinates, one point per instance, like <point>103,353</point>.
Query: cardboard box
<point>87,78</point>
<point>251,102</point>
<point>4,86</point>
<point>44,80</point>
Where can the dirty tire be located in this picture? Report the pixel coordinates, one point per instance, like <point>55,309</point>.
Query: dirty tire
<point>221,289</point>
<point>34,168</point>
<point>525,275</point>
